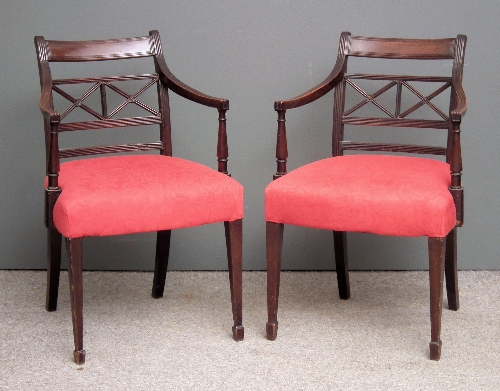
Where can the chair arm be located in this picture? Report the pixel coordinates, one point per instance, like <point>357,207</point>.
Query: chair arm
<point>460,107</point>
<point>46,106</point>
<point>335,76</point>
<point>180,88</point>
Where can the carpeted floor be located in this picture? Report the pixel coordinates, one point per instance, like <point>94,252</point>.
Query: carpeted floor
<point>377,340</point>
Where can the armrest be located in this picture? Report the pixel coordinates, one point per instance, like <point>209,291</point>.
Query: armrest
<point>460,107</point>
<point>335,76</point>
<point>46,107</point>
<point>185,91</point>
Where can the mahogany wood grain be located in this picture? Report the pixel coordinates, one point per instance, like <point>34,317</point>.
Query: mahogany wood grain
<point>401,116</point>
<point>54,242</point>
<point>341,264</point>
<point>436,276</point>
<point>222,148</point>
<point>451,271</point>
<point>161,262</point>
<point>234,235</point>
<point>274,245</point>
<point>107,116</point>
<point>401,48</point>
<point>281,146</point>
<point>74,255</point>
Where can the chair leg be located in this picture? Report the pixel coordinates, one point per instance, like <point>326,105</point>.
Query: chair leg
<point>274,245</point>
<point>161,262</point>
<point>436,276</point>
<point>74,251</point>
<point>450,269</point>
<point>54,240</point>
<point>234,239</point>
<point>340,245</point>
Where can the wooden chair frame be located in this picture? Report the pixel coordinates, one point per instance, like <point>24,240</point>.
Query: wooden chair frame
<point>442,251</point>
<point>100,50</point>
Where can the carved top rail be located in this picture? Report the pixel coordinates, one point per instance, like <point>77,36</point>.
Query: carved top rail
<point>63,51</point>
<point>401,48</point>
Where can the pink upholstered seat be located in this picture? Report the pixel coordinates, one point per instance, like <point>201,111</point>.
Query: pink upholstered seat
<point>146,193</point>
<point>387,195</point>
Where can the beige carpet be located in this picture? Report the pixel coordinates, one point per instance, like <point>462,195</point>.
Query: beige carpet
<point>377,340</point>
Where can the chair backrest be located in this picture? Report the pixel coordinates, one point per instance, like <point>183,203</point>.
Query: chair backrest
<point>401,85</point>
<point>101,117</point>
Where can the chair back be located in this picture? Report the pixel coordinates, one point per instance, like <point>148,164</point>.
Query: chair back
<point>102,92</point>
<point>398,113</point>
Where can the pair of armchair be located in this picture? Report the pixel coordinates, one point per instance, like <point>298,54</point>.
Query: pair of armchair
<point>132,192</point>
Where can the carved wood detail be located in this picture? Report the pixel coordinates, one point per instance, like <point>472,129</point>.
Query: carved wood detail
<point>104,117</point>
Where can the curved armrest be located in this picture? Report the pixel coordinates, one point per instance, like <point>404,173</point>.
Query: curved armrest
<point>335,76</point>
<point>46,107</point>
<point>460,107</point>
<point>187,92</point>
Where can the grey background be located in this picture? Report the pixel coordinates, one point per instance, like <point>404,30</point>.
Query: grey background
<point>251,52</point>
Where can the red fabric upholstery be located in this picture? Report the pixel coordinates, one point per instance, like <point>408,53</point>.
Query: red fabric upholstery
<point>386,195</point>
<point>129,194</point>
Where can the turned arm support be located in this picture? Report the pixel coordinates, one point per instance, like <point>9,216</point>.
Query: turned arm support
<point>335,77</point>
<point>222,105</point>
<point>457,111</point>
<point>458,108</point>
<point>455,160</point>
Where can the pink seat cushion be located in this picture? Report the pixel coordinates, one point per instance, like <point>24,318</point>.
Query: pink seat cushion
<point>386,195</point>
<point>129,194</point>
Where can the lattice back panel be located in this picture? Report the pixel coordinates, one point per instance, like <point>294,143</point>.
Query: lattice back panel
<point>107,102</point>
<point>395,101</point>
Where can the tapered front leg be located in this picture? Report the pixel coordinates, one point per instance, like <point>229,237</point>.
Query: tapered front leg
<point>340,245</point>
<point>74,250</point>
<point>436,276</point>
<point>54,241</point>
<point>274,245</point>
<point>451,270</point>
<point>234,242</point>
<point>161,262</point>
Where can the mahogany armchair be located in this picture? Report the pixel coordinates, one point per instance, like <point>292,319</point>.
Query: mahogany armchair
<point>387,192</point>
<point>133,192</point>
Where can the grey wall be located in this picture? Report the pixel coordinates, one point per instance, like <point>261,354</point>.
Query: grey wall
<point>251,52</point>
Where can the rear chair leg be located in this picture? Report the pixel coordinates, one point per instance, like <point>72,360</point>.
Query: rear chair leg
<point>161,262</point>
<point>54,240</point>
<point>340,246</point>
<point>436,276</point>
<point>274,245</point>
<point>74,250</point>
<point>450,270</point>
<point>234,238</point>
